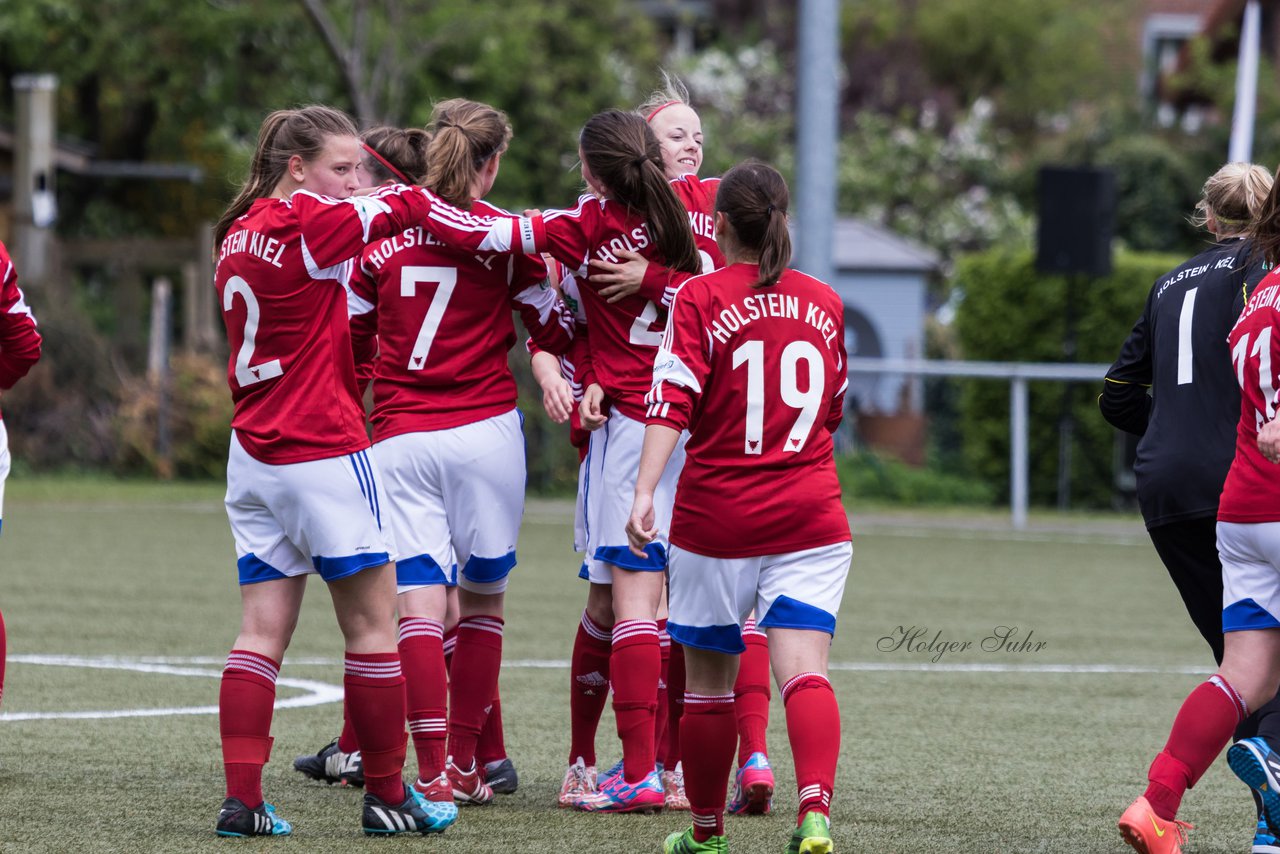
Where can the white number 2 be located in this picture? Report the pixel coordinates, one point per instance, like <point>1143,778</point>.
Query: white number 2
<point>410,278</point>
<point>641,334</point>
<point>246,373</point>
<point>809,401</point>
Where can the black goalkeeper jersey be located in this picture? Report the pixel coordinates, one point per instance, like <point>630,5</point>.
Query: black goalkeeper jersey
<point>1178,349</point>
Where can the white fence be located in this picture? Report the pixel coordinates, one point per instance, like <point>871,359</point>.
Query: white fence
<point>1017,374</point>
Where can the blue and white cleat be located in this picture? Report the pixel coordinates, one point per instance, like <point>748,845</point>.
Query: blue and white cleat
<point>617,795</point>
<point>614,770</point>
<point>1254,762</point>
<point>1264,841</point>
<point>236,819</point>
<point>413,815</point>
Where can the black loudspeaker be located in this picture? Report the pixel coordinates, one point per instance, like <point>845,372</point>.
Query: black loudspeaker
<point>1077,219</point>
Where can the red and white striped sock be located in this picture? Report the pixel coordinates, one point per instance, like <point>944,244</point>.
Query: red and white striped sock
<point>492,745</point>
<point>246,699</point>
<point>588,687</point>
<point>478,658</point>
<point>813,726</point>
<point>709,739</point>
<point>635,665</point>
<point>751,694</point>
<point>427,691</point>
<point>661,711</point>
<point>376,700</point>
<point>347,741</point>
<point>669,748</point>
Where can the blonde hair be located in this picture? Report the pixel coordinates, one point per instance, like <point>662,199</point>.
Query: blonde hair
<point>672,91</point>
<point>284,133</point>
<point>464,136</point>
<point>1233,196</point>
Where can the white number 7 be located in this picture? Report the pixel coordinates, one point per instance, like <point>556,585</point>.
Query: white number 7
<point>410,278</point>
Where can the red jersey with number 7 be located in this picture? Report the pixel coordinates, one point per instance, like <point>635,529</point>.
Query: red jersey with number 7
<point>443,323</point>
<point>1252,489</point>
<point>281,277</point>
<point>757,376</point>
<point>624,335</point>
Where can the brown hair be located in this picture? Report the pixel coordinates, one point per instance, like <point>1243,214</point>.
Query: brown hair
<point>463,136</point>
<point>405,149</point>
<point>754,198</point>
<point>284,133</point>
<point>623,154</point>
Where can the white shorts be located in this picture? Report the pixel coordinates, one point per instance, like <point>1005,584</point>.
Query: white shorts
<point>1250,555</point>
<point>4,467</point>
<point>324,516</point>
<point>580,519</point>
<point>711,597</point>
<point>455,498</point>
<point>609,490</point>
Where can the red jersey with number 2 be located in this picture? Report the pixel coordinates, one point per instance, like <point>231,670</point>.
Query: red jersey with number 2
<point>757,376</point>
<point>1252,489</point>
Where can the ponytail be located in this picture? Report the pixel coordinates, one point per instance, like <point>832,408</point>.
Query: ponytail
<point>283,134</point>
<point>462,137</point>
<point>403,150</point>
<point>754,198</point>
<point>622,152</point>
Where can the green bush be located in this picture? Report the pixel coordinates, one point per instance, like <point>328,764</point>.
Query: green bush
<point>199,421</point>
<point>1012,313</point>
<point>865,475</point>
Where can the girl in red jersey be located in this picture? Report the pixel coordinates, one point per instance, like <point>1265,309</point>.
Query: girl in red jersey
<point>303,496</point>
<point>19,351</point>
<point>448,437</point>
<point>1249,546</point>
<point>753,365</point>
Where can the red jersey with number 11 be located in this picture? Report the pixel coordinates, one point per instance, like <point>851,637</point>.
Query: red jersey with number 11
<point>757,376</point>
<point>1252,489</point>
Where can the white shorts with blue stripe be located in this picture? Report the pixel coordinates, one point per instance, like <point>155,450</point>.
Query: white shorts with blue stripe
<point>711,597</point>
<point>326,517</point>
<point>1250,555</point>
<point>455,498</point>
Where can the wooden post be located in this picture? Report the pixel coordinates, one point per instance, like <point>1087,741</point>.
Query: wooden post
<point>33,180</point>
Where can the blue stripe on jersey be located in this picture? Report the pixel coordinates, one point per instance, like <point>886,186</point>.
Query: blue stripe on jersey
<point>334,568</point>
<point>253,569</point>
<point>1245,615</point>
<point>482,570</point>
<point>422,569</point>
<point>726,639</point>
<point>788,613</point>
<point>621,556</point>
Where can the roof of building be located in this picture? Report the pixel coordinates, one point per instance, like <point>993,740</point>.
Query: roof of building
<point>862,245</point>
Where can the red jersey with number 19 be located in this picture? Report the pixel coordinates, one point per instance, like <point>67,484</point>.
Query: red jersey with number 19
<point>443,323</point>
<point>1252,489</point>
<point>757,376</point>
<point>624,335</point>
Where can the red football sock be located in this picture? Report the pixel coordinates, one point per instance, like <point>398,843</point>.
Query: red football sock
<point>245,702</point>
<point>588,687</point>
<point>2,656</point>
<point>751,694</point>
<point>347,741</point>
<point>478,657</point>
<point>709,739</point>
<point>669,747</point>
<point>1202,728</point>
<point>492,746</point>
<point>427,690</point>
<point>450,643</point>
<point>813,725</point>
<point>376,701</point>
<point>661,711</point>
<point>635,665</point>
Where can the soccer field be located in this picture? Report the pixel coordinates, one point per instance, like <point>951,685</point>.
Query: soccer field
<point>121,604</point>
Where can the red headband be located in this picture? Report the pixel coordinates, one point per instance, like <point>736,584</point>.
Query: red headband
<point>661,108</point>
<point>378,157</point>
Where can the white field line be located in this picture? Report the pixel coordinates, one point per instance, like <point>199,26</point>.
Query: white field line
<point>320,693</point>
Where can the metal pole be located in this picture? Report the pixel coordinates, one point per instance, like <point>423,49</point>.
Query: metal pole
<point>34,206</point>
<point>1241,149</point>
<point>817,135</point>
<point>1018,451</point>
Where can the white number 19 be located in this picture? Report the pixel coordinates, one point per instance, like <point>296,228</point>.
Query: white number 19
<point>809,401</point>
